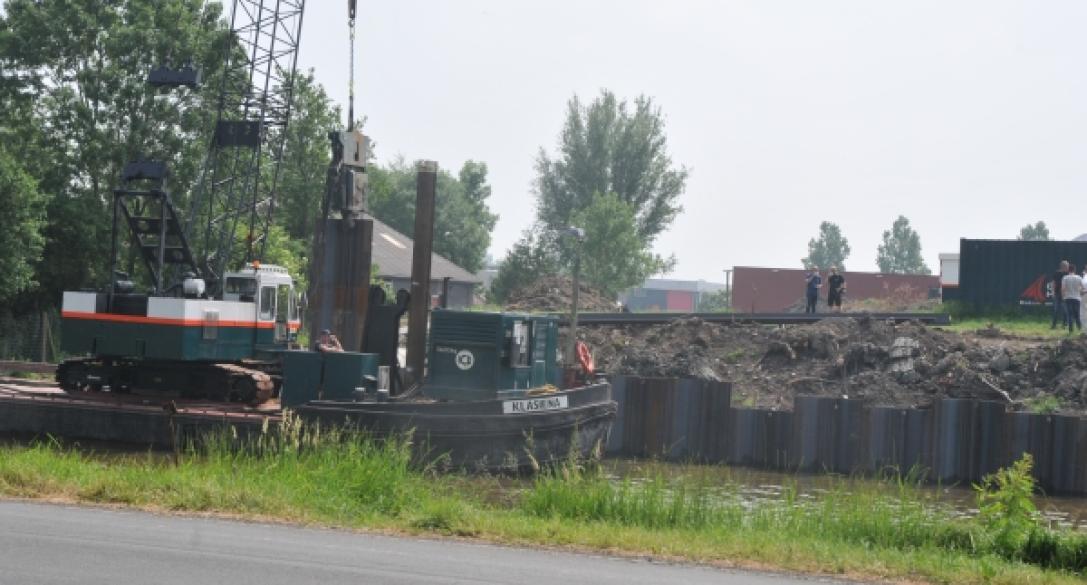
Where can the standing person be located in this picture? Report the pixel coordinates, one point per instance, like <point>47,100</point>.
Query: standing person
<point>814,283</point>
<point>1083,296</point>
<point>835,290</point>
<point>1072,289</point>
<point>1058,298</point>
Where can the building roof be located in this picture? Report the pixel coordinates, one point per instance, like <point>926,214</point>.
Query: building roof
<point>392,254</point>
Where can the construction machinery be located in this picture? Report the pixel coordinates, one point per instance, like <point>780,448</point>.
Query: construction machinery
<point>212,317</point>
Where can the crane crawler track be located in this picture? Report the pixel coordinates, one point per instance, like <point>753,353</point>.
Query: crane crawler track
<point>221,381</point>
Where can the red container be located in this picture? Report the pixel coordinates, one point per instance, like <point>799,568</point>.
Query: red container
<point>776,290</point>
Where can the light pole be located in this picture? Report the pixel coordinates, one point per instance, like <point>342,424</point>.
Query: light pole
<point>578,235</point>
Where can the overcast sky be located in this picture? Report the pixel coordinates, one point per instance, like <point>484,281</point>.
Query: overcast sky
<point>966,117</point>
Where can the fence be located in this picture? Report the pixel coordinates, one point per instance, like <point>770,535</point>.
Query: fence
<point>956,441</point>
<point>30,337</point>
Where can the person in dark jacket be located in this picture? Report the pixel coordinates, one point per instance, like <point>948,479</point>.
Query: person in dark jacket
<point>835,290</point>
<point>814,282</point>
<point>1058,299</point>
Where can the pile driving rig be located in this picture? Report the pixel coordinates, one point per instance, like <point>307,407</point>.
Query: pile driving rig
<point>201,330</point>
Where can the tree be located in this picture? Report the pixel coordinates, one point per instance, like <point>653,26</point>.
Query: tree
<point>462,220</point>
<point>613,176</point>
<point>900,251</point>
<point>20,227</point>
<point>611,146</point>
<point>830,249</point>
<point>306,155</point>
<point>83,64</point>
<point>531,258</point>
<point>613,256</point>
<point>716,302</point>
<point>1038,232</point>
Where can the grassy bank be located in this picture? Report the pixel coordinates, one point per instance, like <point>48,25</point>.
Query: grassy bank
<point>1022,327</point>
<point>891,532</point>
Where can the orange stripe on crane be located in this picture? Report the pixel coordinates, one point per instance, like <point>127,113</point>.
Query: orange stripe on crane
<point>112,318</point>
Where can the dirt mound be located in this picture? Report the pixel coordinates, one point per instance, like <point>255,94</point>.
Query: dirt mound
<point>903,365</point>
<point>554,294</point>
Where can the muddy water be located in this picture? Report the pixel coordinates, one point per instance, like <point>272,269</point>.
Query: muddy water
<point>754,485</point>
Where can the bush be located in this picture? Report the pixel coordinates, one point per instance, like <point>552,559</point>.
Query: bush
<point>1005,506</point>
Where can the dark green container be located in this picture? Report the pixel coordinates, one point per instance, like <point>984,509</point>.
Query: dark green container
<point>310,375</point>
<point>346,371</point>
<point>301,377</point>
<point>474,355</point>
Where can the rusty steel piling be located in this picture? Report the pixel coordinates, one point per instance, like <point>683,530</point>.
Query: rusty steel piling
<point>419,304</point>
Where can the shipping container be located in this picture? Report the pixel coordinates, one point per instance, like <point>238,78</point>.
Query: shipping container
<point>1005,273</point>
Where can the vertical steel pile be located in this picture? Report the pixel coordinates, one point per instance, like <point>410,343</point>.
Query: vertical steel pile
<point>676,419</point>
<point>340,292</point>
<point>956,441</point>
<point>419,308</point>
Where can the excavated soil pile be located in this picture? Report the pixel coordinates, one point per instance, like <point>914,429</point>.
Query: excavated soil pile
<point>553,294</point>
<point>904,365</point>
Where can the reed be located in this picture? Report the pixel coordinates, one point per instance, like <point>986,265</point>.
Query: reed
<point>894,514</point>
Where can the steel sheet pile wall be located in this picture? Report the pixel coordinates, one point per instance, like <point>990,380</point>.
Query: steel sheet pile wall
<point>957,441</point>
<point>760,438</point>
<point>677,419</point>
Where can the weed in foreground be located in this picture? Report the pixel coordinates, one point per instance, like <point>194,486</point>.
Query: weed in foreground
<point>895,515</point>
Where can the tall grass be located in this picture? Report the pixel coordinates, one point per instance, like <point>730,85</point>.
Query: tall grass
<point>308,476</point>
<point>348,479</point>
<point>895,515</point>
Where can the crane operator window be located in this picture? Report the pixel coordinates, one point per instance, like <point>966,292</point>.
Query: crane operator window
<point>267,303</point>
<point>241,288</point>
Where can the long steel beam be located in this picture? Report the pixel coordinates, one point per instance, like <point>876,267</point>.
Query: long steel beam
<point>763,318</point>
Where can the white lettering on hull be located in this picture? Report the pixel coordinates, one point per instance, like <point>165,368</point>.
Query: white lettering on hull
<point>528,405</point>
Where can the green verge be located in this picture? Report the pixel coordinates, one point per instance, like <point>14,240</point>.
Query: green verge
<point>1028,328</point>
<point>331,479</point>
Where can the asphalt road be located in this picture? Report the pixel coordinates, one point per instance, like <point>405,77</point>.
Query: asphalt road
<point>46,544</point>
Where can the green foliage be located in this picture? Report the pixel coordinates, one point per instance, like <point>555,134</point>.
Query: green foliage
<point>716,302</point>
<point>73,75</point>
<point>900,252</point>
<point>831,248</point>
<point>20,226</point>
<point>1045,404</point>
<point>290,253</point>
<point>890,529</point>
<point>610,146</point>
<point>462,222</point>
<point>1037,232</point>
<point>612,176</point>
<point>1056,550</point>
<point>531,258</point>
<point>1005,506</point>
<point>306,157</point>
<point>613,256</point>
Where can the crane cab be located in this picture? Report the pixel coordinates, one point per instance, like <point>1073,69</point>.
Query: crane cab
<point>271,288</point>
